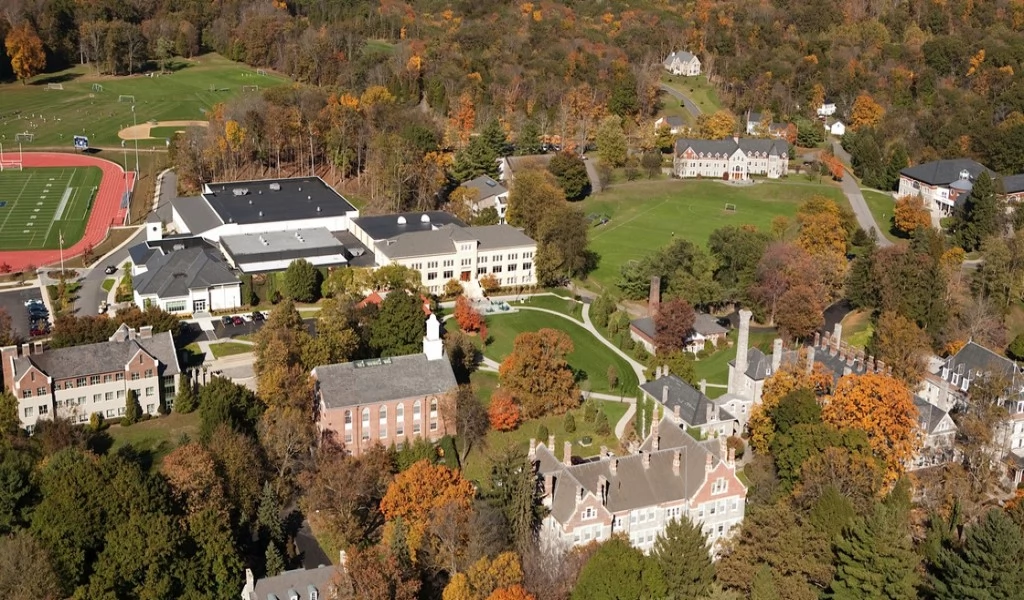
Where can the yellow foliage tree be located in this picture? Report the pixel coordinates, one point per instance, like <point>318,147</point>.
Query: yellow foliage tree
<point>817,96</point>
<point>788,379</point>
<point>462,118</point>
<point>910,213</point>
<point>883,407</point>
<point>822,232</point>
<point>716,126</point>
<point>234,134</point>
<point>485,577</point>
<point>25,50</point>
<point>866,112</point>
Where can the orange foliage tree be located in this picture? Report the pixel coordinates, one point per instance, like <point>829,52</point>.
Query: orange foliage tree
<point>716,126</point>
<point>192,474</point>
<point>537,373</point>
<point>503,412</point>
<point>789,378</point>
<point>419,493</point>
<point>485,577</point>
<point>883,407</point>
<point>866,112</point>
<point>462,118</point>
<point>469,318</point>
<point>26,52</point>
<point>835,166</point>
<point>516,592</point>
<point>910,213</point>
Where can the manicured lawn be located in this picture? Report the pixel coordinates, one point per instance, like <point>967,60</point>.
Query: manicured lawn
<point>565,306</point>
<point>589,356</point>
<point>222,349</point>
<point>158,436</point>
<point>671,107</point>
<point>697,89</point>
<point>108,284</point>
<point>192,355</point>
<point>857,328</point>
<point>648,215</point>
<point>881,207</point>
<point>165,133</point>
<point>715,368</point>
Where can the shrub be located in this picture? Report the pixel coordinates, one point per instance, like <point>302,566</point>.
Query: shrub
<point>737,444</point>
<point>601,424</point>
<point>589,410</point>
<point>490,283</point>
<point>503,413</point>
<point>302,281</point>
<point>96,421</point>
<point>453,288</point>
<point>1016,348</point>
<point>569,424</point>
<point>543,433</point>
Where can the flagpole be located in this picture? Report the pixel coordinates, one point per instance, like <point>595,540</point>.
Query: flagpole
<point>61,234</point>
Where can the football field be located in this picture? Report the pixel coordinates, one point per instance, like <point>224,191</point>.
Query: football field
<point>37,205</point>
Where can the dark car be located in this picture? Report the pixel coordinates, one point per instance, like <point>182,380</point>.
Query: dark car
<point>227,321</point>
<point>238,321</point>
<point>38,331</point>
<point>38,314</point>
<point>257,316</point>
<point>110,270</point>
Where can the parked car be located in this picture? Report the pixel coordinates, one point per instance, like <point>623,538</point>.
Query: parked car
<point>38,331</point>
<point>257,316</point>
<point>110,270</point>
<point>227,321</point>
<point>103,307</point>
<point>238,321</point>
<point>33,301</point>
<point>37,310</point>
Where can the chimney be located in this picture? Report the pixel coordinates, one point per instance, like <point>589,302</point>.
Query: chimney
<point>567,453</point>
<point>664,370</point>
<point>675,411</point>
<point>646,457</point>
<point>707,463</point>
<point>703,383</point>
<point>736,139</point>
<point>549,484</point>
<point>732,457</point>
<point>743,341</point>
<point>655,442</point>
<point>707,413</point>
<point>613,466</point>
<point>676,460</point>
<point>551,444</point>
<point>837,333</point>
<point>825,341</point>
<point>602,488</point>
<point>343,558</point>
<point>26,350</point>
<point>847,371</point>
<point>870,366</point>
<point>776,355</point>
<point>657,372</point>
<point>250,582</point>
<point>723,448</point>
<point>604,451</point>
<point>817,338</point>
<point>880,366</point>
<point>38,349</point>
<point>810,360</point>
<point>145,332</point>
<point>7,355</point>
<point>533,448</point>
<point>664,395</point>
<point>851,356</point>
<point>654,298</point>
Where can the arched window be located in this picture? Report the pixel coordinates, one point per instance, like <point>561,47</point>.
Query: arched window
<point>433,414</point>
<point>400,420</point>
<point>365,424</point>
<point>416,417</point>
<point>382,424</point>
<point>348,419</point>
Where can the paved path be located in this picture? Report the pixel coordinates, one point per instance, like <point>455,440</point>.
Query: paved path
<point>851,188</point>
<point>690,106</point>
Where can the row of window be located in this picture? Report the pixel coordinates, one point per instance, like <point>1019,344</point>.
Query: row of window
<point>97,379</point>
<point>382,421</point>
<point>105,397</point>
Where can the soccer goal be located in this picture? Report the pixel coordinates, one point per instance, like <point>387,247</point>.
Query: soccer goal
<point>97,87</point>
<point>261,72</point>
<point>730,207</point>
<point>24,137</point>
<point>55,86</point>
<point>250,88</point>
<point>126,98</point>
<point>10,166</point>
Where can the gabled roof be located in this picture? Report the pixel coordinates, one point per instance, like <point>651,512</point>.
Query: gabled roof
<point>682,55</point>
<point>946,171</point>
<point>1013,184</point>
<point>672,392</point>
<point>707,325</point>
<point>928,415</point>
<point>172,275</point>
<point>644,325</point>
<point>382,380</point>
<point>103,357</point>
<point>442,240</point>
<point>672,120</point>
<point>729,146</point>
<point>298,581</point>
<point>974,358</point>
<point>485,187</point>
<point>759,365</point>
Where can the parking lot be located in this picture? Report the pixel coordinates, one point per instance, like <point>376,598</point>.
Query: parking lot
<point>250,327</point>
<point>13,302</point>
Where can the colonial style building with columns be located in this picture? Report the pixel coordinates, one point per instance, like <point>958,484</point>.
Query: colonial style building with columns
<point>733,158</point>
<point>388,400</point>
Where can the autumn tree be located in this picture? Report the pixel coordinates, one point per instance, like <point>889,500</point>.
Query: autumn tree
<point>468,318</point>
<point>484,577</point>
<point>415,495</point>
<point>902,345</point>
<point>25,568</point>
<point>611,142</point>
<point>503,412</point>
<point>789,379</point>
<point>783,267</point>
<point>910,213</point>
<point>716,126</point>
<point>883,407</point>
<point>515,592</point>
<point>537,373</point>
<point>800,312</point>
<point>25,49</point>
<point>192,474</point>
<point>571,173</point>
<point>380,572</point>
<point>534,193</point>
<point>673,325</point>
<point>865,112</point>
<point>823,227</point>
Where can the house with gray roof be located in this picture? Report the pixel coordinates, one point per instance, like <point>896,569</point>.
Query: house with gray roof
<point>940,182</point>
<point>684,405</point>
<point>188,280</point>
<point>674,123</point>
<point>389,400</point>
<point>734,159</point>
<point>682,63</point>
<point>78,381</point>
<point>673,476</point>
<point>755,124</point>
<point>484,192</point>
<point>297,584</point>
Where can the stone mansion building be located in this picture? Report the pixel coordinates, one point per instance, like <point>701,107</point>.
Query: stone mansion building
<point>735,159</point>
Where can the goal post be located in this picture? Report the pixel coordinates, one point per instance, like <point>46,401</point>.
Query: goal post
<point>10,166</point>
<point>126,98</point>
<point>262,72</point>
<point>97,87</point>
<point>55,86</point>
<point>250,88</point>
<point>730,207</point>
<point>24,137</point>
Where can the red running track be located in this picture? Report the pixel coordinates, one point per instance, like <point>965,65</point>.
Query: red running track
<point>106,207</point>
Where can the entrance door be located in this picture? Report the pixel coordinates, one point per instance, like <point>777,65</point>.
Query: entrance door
<point>198,305</point>
<point>464,276</point>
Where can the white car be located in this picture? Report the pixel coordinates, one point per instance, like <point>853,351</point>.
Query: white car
<point>32,301</point>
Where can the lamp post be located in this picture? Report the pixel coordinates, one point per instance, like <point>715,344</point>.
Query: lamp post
<point>135,123</point>
<point>124,149</point>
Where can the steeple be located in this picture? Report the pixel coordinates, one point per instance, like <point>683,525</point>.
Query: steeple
<point>433,347</point>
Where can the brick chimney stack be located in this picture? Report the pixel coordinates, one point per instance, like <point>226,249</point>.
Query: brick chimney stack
<point>810,360</point>
<point>743,341</point>
<point>567,453</point>
<point>732,458</point>
<point>676,461</point>
<point>776,355</point>
<point>837,334</point>
<point>707,463</point>
<point>654,298</point>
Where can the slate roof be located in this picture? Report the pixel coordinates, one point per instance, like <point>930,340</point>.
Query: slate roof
<point>928,415</point>
<point>836,365</point>
<point>442,240</point>
<point>1013,184</point>
<point>944,172</point>
<point>729,146</point>
<point>682,55</point>
<point>297,580</point>
<point>759,364</point>
<point>485,187</point>
<point>498,237</point>
<point>294,198</point>
<point>104,357</point>
<point>707,325</point>
<point>197,214</point>
<point>381,380</point>
<point>975,358</point>
<point>693,405</point>
<point>632,486</point>
<point>644,325</point>
<point>673,121</point>
<point>172,275</point>
<point>381,227</point>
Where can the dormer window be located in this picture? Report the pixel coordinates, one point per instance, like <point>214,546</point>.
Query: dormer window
<point>589,513</point>
<point>719,486</point>
<point>965,174</point>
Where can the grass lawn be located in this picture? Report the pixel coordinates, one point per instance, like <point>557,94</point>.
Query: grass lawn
<point>672,107</point>
<point>646,215</point>
<point>715,368</point>
<point>37,205</point>
<point>100,112</point>
<point>566,306</point>
<point>590,355</point>
<point>857,328</point>
<point>157,436</point>
<point>697,89</point>
<point>192,355</point>
<point>164,133</point>
<point>108,284</point>
<point>222,349</point>
<point>881,207</point>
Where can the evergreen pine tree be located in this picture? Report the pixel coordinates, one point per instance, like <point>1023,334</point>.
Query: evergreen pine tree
<point>601,424</point>
<point>898,160</point>
<point>569,424</point>
<point>275,562</point>
<point>528,140</point>
<point>268,516</point>
<point>480,156</point>
<point>762,587</point>
<point>187,398</point>
<point>132,410</point>
<point>875,558</point>
<point>682,553</point>
<point>980,216</point>
<point>860,283</point>
<point>985,565</point>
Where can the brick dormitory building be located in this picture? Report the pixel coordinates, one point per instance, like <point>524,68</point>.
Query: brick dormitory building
<point>78,381</point>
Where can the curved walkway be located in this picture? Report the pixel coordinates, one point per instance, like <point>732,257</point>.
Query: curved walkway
<point>106,210</point>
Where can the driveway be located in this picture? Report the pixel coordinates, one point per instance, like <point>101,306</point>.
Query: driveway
<point>92,293</point>
<point>851,188</point>
<point>694,110</point>
<point>13,301</point>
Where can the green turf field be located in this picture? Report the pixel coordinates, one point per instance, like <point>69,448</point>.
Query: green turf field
<point>54,116</point>
<point>37,204</point>
<point>647,215</point>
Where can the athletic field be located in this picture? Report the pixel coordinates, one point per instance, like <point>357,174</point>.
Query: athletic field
<point>38,204</point>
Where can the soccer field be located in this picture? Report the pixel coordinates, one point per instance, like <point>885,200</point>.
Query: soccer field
<point>37,205</point>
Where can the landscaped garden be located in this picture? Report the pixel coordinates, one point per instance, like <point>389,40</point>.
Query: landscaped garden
<point>222,349</point>
<point>882,207</point>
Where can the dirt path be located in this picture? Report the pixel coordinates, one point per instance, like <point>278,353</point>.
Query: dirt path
<point>141,131</point>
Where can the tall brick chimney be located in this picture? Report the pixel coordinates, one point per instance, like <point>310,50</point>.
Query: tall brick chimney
<point>776,355</point>
<point>743,341</point>
<point>567,453</point>
<point>654,298</point>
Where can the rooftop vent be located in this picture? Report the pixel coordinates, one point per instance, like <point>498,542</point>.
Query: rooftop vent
<point>318,209</point>
<point>490,182</point>
<point>299,237</point>
<point>965,174</point>
<point>425,219</point>
<point>261,213</point>
<point>178,247</point>
<point>309,197</point>
<point>276,187</point>
<point>401,220</point>
<point>250,201</point>
<point>264,241</point>
<point>240,191</point>
<point>358,251</point>
<point>300,188</point>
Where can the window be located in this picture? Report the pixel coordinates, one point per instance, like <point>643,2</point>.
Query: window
<point>80,382</point>
<point>149,408</point>
<point>81,400</point>
<point>400,420</point>
<point>432,264</point>
<point>721,529</point>
<point>107,378</point>
<point>149,391</point>
<point>433,415</point>
<point>110,413</point>
<point>497,258</point>
<point>26,393</point>
<point>417,266</point>
<point>120,411</point>
<point>29,411</point>
<point>416,425</point>
<point>450,262</point>
<point>719,486</point>
<point>40,391</point>
<point>735,504</point>
<point>512,267</point>
<point>700,512</point>
<point>119,377</point>
<point>527,266</point>
<point>120,394</point>
<point>177,306</point>
<point>527,254</point>
<point>513,256</point>
<point>711,509</point>
<point>135,376</point>
<point>481,271</point>
<point>496,269</point>
<point>643,517</point>
<point>68,385</point>
<point>108,396</point>
<point>481,259</point>
<point>366,424</point>
<point>466,262</point>
<point>94,380</point>
<point>96,397</point>
<point>348,419</point>
<point>382,424</point>
<point>149,372</point>
<point>589,513</point>
<point>449,274</point>
<point>432,275</point>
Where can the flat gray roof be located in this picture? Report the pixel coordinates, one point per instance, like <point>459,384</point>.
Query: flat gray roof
<point>280,245</point>
<point>380,227</point>
<point>441,241</point>
<point>196,213</point>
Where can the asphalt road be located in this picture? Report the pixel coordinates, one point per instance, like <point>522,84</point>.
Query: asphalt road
<point>695,111</point>
<point>851,188</point>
